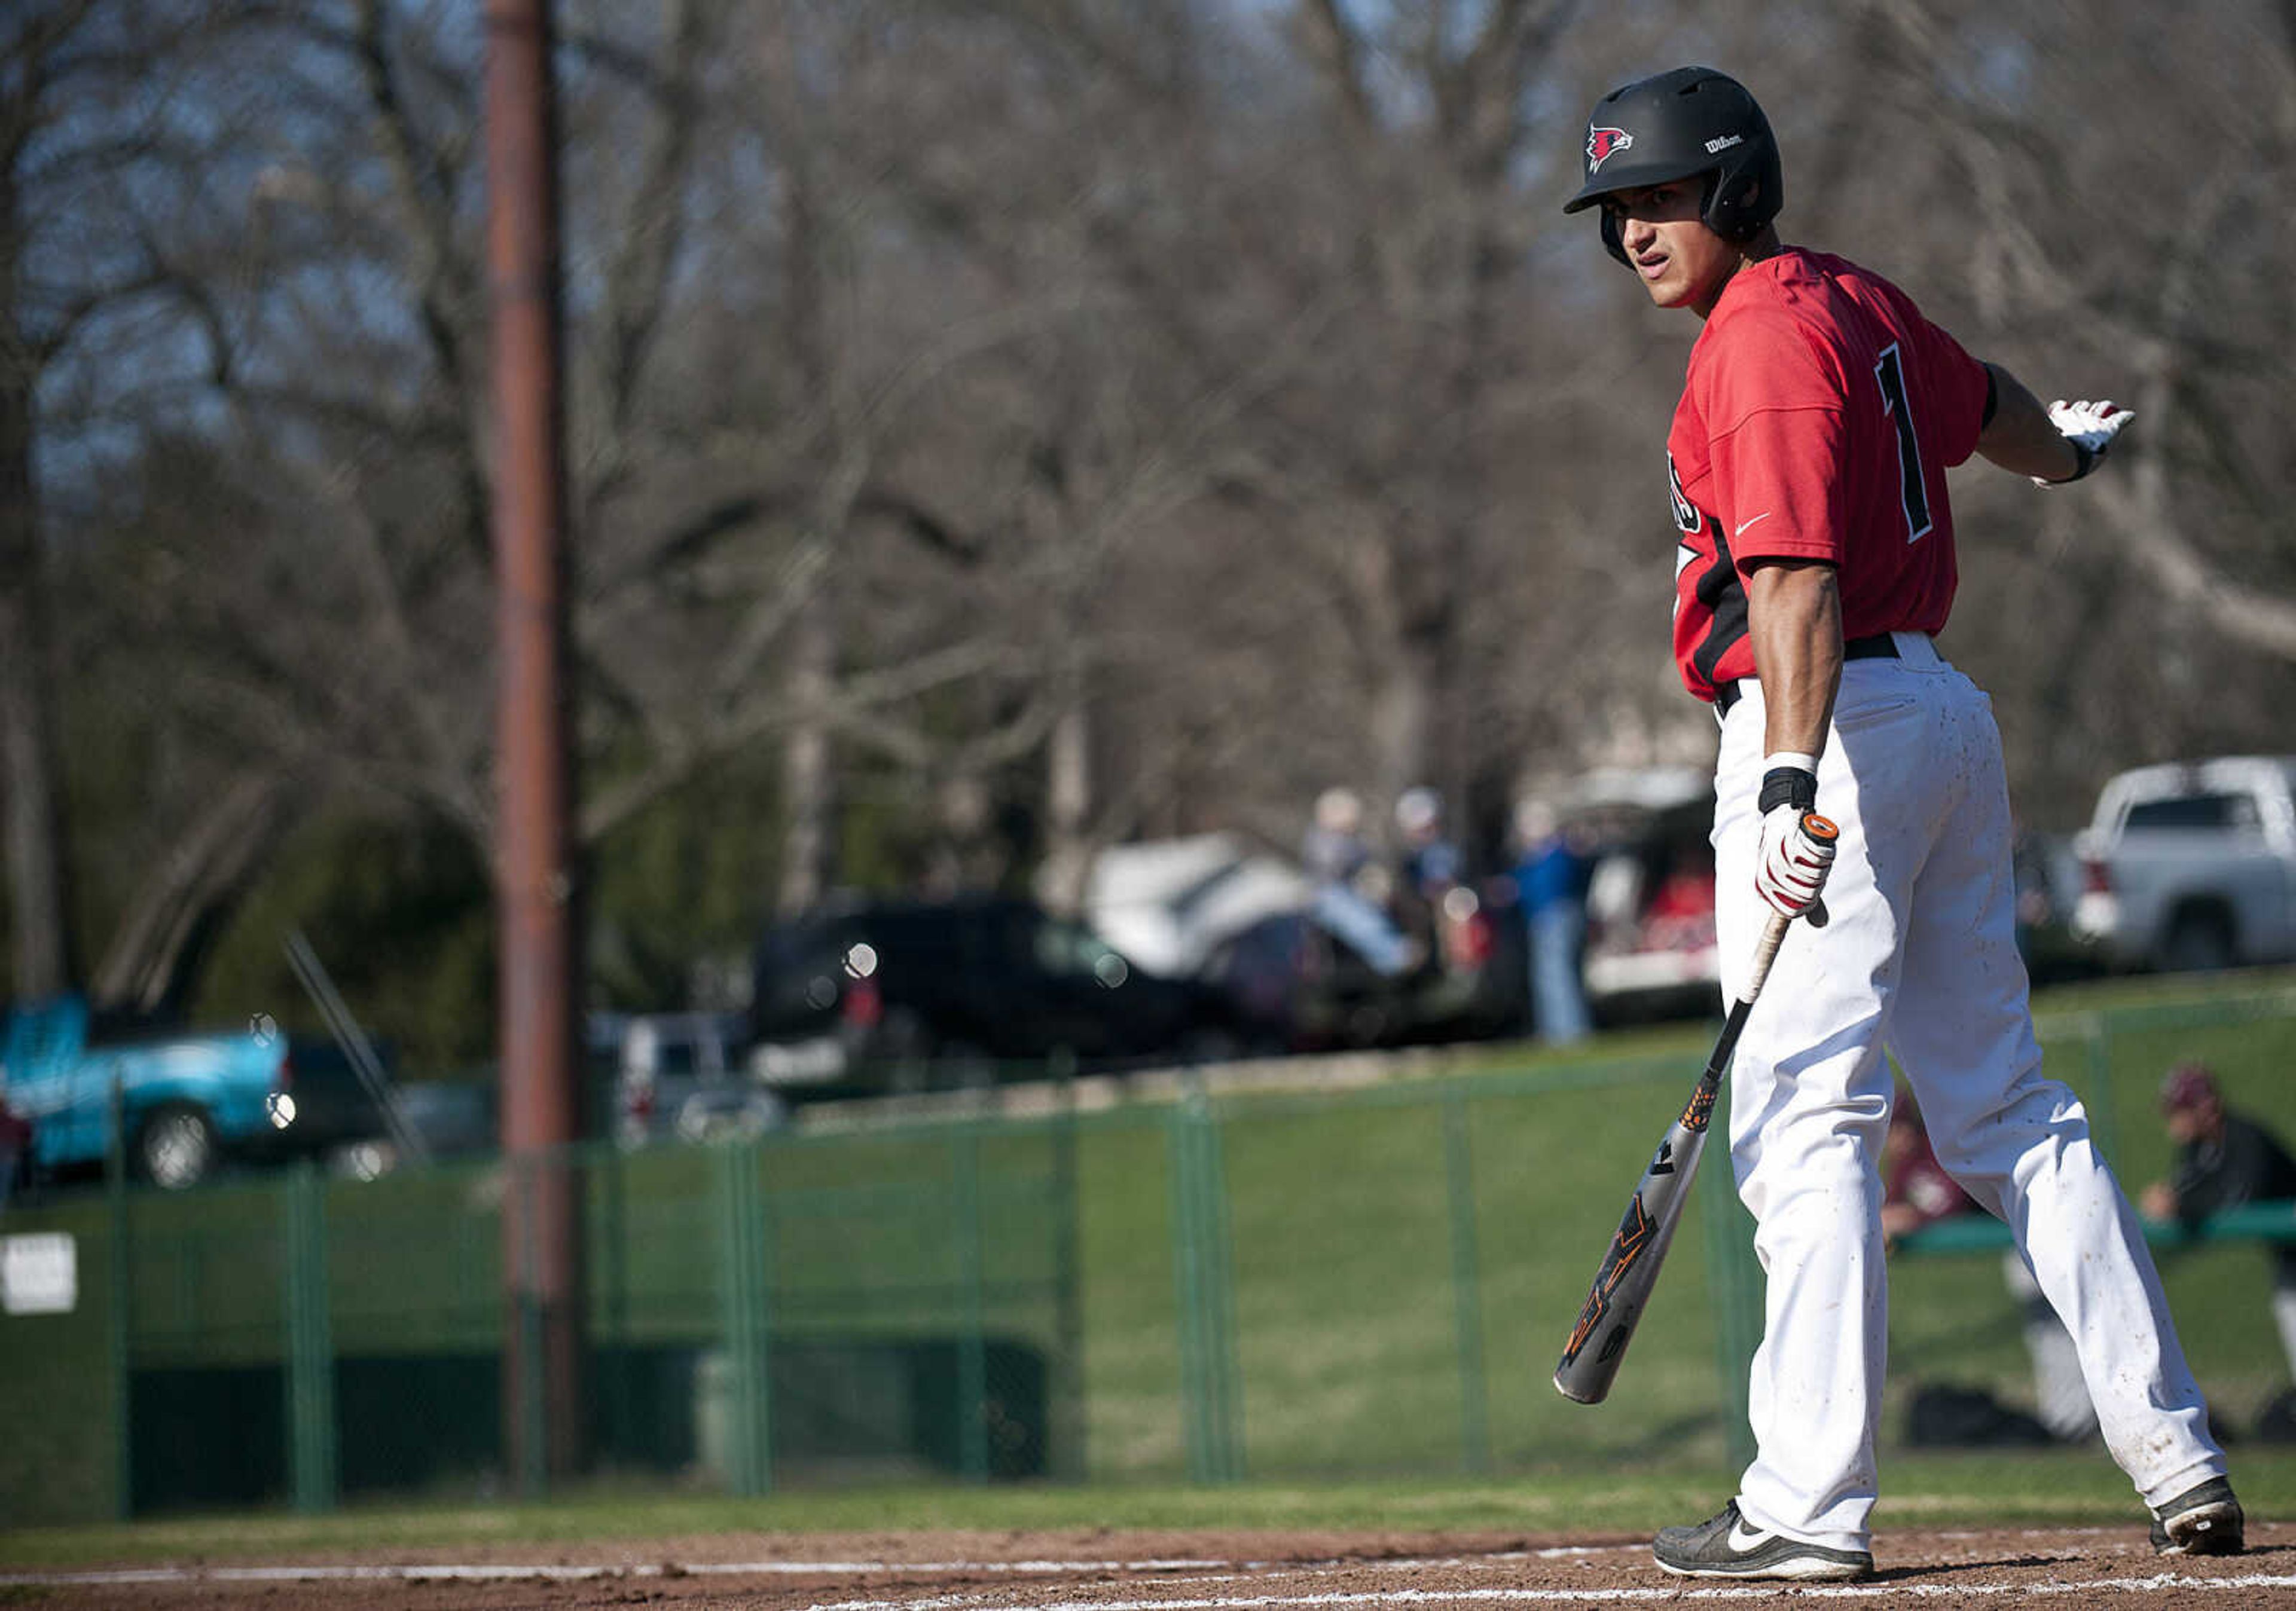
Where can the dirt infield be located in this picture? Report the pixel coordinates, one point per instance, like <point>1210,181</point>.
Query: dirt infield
<point>1111,1571</point>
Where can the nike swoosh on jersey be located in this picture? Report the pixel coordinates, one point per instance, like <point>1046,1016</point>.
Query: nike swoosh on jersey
<point>1744,526</point>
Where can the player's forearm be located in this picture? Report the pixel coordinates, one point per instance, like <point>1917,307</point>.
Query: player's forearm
<point>2021,437</point>
<point>1793,614</point>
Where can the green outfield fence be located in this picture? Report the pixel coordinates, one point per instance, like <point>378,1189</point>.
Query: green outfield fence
<point>1174,1278</point>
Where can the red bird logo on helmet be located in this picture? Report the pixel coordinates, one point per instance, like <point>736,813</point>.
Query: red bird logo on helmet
<point>1602,143</point>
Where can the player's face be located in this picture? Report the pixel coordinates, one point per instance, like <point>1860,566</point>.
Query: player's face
<point>1683,264</point>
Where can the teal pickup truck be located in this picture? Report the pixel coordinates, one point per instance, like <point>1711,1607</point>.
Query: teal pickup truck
<point>190,1101</point>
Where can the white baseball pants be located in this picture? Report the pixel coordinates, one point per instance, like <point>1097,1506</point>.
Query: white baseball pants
<point>1919,959</point>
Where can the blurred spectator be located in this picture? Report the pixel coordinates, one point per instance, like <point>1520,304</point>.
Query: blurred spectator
<point>1918,1192</point>
<point>1427,870</point>
<point>2060,1396</point>
<point>1334,850</point>
<point>2224,1160</point>
<point>1430,861</point>
<point>1916,1188</point>
<point>1679,915</point>
<point>1350,888</point>
<point>1551,883</point>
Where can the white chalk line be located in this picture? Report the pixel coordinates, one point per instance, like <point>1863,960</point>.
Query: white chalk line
<point>496,1571</point>
<point>427,1572</point>
<point>1441,1597</point>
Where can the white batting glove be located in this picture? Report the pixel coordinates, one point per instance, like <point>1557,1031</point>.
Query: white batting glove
<point>1792,868</point>
<point>1791,872</point>
<point>2090,428</point>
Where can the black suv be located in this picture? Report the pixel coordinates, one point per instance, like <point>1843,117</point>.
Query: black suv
<point>1301,985</point>
<point>885,996</point>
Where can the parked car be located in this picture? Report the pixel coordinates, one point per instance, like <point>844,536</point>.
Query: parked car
<point>2047,868</point>
<point>873,996</point>
<point>681,1076</point>
<point>437,1121</point>
<point>1166,904</point>
<point>2192,865</point>
<point>190,1101</point>
<point>1301,983</point>
<point>1650,890</point>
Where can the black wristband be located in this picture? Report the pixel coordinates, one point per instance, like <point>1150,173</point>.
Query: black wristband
<point>1789,785</point>
<point>2084,460</point>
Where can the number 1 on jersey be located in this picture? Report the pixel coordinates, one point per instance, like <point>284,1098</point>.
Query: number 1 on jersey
<point>1890,373</point>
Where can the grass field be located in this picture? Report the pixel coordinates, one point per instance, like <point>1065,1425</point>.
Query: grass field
<point>1405,1259</point>
<point>1348,1336</point>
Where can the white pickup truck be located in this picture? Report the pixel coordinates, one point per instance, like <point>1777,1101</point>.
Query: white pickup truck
<point>2192,865</point>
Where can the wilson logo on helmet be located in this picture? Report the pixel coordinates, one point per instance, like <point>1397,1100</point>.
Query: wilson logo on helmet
<point>1604,144</point>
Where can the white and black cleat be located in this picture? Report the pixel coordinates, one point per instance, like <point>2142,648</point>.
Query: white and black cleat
<point>1729,1546</point>
<point>2205,1520</point>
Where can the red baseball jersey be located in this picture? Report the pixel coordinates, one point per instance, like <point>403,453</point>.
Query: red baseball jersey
<point>1819,417</point>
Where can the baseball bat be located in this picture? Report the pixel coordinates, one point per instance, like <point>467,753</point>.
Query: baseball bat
<point>1630,1270</point>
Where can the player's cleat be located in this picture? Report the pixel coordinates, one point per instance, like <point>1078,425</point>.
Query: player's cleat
<point>1729,1546</point>
<point>2204,1521</point>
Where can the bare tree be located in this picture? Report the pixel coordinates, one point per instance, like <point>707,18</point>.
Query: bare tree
<point>114,114</point>
<point>1036,422</point>
<point>733,402</point>
<point>2143,615</point>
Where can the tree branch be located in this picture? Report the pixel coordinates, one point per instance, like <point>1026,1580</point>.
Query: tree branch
<point>1339,51</point>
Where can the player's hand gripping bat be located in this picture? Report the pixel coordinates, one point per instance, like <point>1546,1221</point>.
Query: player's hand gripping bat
<point>1622,1286</point>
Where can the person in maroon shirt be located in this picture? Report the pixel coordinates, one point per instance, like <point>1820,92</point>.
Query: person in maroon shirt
<point>1813,566</point>
<point>1916,1190</point>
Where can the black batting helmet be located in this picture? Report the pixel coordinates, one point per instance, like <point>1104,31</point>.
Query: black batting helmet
<point>1691,121</point>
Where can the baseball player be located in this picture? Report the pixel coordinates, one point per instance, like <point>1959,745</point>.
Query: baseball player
<point>1806,466</point>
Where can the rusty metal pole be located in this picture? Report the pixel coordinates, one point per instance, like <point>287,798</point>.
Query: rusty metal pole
<point>535,862</point>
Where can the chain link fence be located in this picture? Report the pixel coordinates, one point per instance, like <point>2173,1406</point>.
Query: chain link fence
<point>1166,1279</point>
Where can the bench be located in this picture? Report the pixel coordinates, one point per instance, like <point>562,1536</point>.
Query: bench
<point>1977,1231</point>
